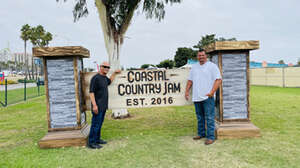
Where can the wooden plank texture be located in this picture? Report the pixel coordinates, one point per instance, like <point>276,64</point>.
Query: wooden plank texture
<point>65,138</point>
<point>220,62</point>
<point>47,93</point>
<point>235,130</point>
<point>78,113</point>
<point>61,51</point>
<point>232,45</point>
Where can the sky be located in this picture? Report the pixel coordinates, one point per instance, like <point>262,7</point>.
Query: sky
<point>275,23</point>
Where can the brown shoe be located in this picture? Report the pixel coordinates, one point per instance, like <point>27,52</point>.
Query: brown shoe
<point>197,138</point>
<point>209,141</point>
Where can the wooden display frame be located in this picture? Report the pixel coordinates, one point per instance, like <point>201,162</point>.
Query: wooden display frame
<point>240,127</point>
<point>64,136</point>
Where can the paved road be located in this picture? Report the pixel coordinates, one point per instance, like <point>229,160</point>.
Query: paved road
<point>17,86</point>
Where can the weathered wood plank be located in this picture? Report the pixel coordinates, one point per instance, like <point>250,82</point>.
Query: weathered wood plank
<point>65,128</point>
<point>236,130</point>
<point>47,92</point>
<point>65,138</point>
<point>220,62</point>
<point>232,45</point>
<point>248,84</point>
<point>61,51</point>
<point>78,113</point>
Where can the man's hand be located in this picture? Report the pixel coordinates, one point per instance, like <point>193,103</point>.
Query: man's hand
<point>210,94</point>
<point>187,95</point>
<point>112,77</point>
<point>95,109</point>
<point>117,71</point>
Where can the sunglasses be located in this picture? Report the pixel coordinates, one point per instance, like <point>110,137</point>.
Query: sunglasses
<point>108,67</point>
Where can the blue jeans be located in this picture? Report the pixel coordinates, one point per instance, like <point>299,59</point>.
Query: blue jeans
<point>95,131</point>
<point>205,112</point>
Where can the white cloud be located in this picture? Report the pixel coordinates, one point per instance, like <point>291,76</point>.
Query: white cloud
<point>273,22</point>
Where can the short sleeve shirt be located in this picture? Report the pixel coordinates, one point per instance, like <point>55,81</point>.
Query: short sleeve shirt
<point>203,78</point>
<point>99,86</point>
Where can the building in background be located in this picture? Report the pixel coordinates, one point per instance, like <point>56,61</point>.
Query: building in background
<point>264,64</point>
<point>14,62</point>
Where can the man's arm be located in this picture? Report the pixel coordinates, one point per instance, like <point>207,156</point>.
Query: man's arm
<point>112,77</point>
<point>95,107</point>
<point>187,89</point>
<point>217,84</point>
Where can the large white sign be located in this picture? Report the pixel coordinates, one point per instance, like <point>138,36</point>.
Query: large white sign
<point>145,88</point>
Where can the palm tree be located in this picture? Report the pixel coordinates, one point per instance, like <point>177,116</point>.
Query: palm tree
<point>25,36</point>
<point>39,38</point>
<point>46,38</point>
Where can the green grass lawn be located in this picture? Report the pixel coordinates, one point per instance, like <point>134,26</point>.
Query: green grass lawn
<point>17,95</point>
<point>160,137</point>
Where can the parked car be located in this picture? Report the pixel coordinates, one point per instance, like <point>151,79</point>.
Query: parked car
<point>40,81</point>
<point>20,73</point>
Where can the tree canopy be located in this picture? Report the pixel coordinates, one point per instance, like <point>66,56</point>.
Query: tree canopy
<point>118,10</point>
<point>210,38</point>
<point>183,54</point>
<point>168,64</point>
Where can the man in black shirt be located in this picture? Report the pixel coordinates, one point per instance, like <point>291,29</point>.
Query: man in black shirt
<point>99,100</point>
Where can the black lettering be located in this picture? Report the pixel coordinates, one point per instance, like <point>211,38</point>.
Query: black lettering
<point>146,88</point>
<point>165,100</point>
<point>155,75</point>
<point>128,89</point>
<point>130,78</point>
<point>170,88</point>
<point>151,88</point>
<point>140,89</point>
<point>119,89</point>
<point>165,76</point>
<point>177,88</point>
<point>135,102</point>
<point>133,89</point>
<point>137,76</point>
<point>128,102</point>
<point>158,100</point>
<point>165,89</point>
<point>144,76</point>
<point>160,75</point>
<point>142,100</point>
<point>153,101</point>
<point>158,87</point>
<point>149,76</point>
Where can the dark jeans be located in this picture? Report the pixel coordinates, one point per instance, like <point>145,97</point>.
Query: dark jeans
<point>205,112</point>
<point>95,131</point>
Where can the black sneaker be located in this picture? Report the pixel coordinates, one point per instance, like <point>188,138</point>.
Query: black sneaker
<point>94,146</point>
<point>102,142</point>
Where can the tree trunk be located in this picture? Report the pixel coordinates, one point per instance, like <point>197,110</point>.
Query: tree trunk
<point>113,42</point>
<point>32,67</point>
<point>26,62</point>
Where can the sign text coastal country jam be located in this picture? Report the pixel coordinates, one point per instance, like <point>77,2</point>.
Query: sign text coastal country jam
<point>145,88</point>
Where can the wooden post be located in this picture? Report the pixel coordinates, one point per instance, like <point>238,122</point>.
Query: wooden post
<point>66,117</point>
<point>234,109</point>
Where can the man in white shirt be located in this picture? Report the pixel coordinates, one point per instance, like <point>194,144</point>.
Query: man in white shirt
<point>205,78</point>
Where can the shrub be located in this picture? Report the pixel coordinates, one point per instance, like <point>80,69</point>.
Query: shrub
<point>27,81</point>
<point>8,82</point>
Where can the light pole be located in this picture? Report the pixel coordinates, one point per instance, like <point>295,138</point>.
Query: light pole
<point>97,66</point>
